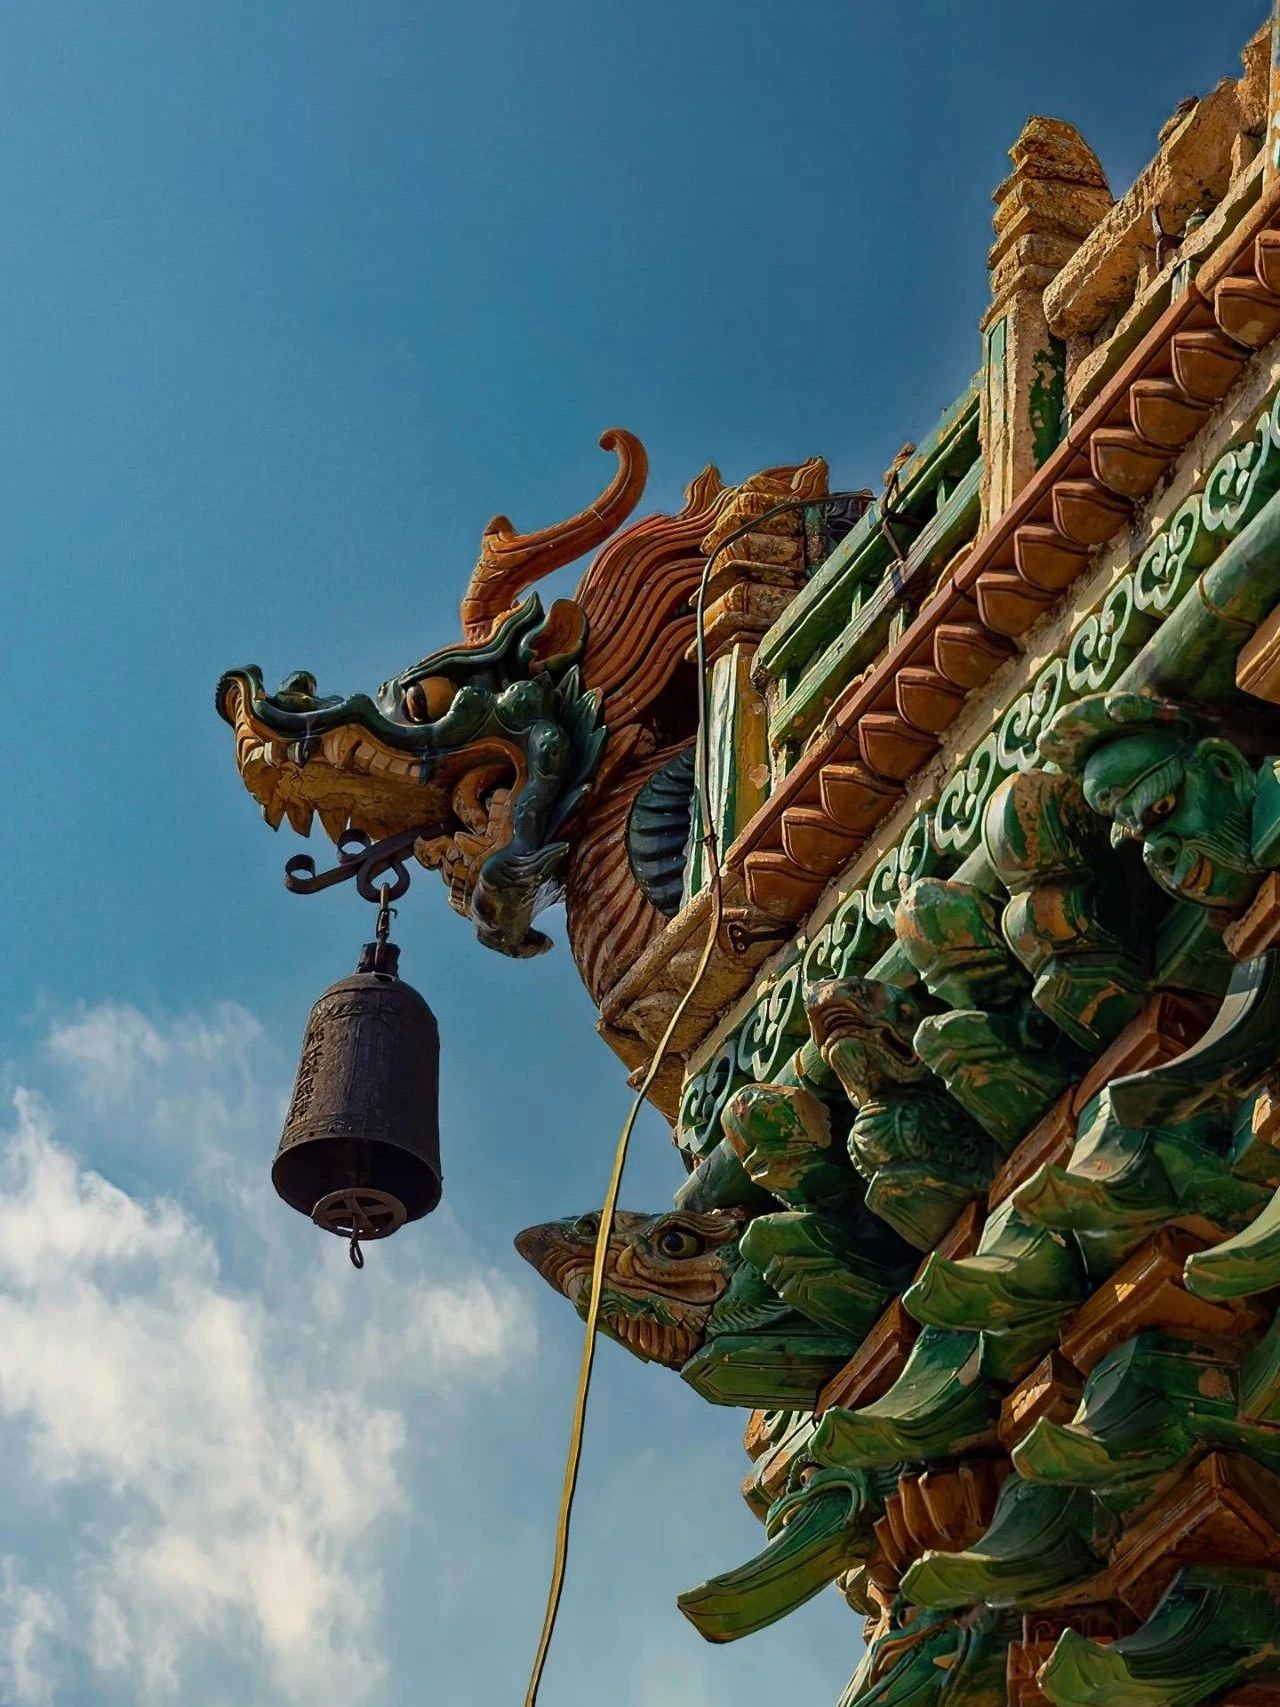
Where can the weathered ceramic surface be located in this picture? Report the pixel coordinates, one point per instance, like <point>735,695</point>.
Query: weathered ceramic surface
<point>524,753</point>
<point>1024,1050</point>
<point>1156,631</point>
<point>1122,1289</point>
<point>982,1214</point>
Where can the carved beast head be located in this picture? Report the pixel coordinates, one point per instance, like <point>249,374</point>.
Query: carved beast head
<point>664,1274</point>
<point>865,1031</point>
<point>487,748</point>
<point>1167,782</point>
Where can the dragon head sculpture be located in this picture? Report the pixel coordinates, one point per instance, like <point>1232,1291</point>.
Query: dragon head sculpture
<point>546,754</point>
<point>679,1291</point>
<point>487,748</point>
<point>664,1274</point>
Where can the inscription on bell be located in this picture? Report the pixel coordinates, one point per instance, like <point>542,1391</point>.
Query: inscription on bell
<point>308,1067</point>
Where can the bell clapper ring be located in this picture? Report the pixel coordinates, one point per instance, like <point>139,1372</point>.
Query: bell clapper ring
<point>361,1226</point>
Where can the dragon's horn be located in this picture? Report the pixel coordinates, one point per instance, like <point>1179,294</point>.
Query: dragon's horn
<point>510,561</point>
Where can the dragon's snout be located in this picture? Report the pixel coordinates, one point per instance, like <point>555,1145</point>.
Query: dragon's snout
<point>555,1252</point>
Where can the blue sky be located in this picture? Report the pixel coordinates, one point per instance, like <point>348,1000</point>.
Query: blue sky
<point>296,296</point>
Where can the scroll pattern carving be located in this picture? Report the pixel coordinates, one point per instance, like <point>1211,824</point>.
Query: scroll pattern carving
<point>1091,659</point>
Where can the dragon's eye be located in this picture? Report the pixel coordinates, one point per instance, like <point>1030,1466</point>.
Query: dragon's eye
<point>675,1242</point>
<point>1161,808</point>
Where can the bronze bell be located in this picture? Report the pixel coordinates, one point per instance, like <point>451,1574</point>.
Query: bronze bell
<point>360,1152</point>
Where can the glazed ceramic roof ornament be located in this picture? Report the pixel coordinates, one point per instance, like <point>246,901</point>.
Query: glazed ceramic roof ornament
<point>978,1221</point>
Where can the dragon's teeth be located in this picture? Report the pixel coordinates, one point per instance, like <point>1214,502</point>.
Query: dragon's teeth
<point>337,745</point>
<point>299,814</point>
<point>393,764</point>
<point>262,782</point>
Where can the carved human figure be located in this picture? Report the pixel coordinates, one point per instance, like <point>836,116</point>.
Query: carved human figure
<point>1185,794</point>
<point>999,1058</point>
<point>921,1155</point>
<point>826,1253</point>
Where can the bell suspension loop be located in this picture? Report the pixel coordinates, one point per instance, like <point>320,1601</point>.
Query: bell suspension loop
<point>386,912</point>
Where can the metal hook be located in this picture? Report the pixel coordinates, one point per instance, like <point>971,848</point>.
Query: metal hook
<point>386,912</point>
<point>359,857</point>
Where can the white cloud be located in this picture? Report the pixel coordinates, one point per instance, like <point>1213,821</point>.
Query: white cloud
<point>196,1084</point>
<point>240,1455</point>
<point>28,1620</point>
<point>115,1047</point>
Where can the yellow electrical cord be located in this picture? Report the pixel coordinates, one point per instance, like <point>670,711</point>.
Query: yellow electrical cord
<point>716,886</point>
<point>593,1305</point>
